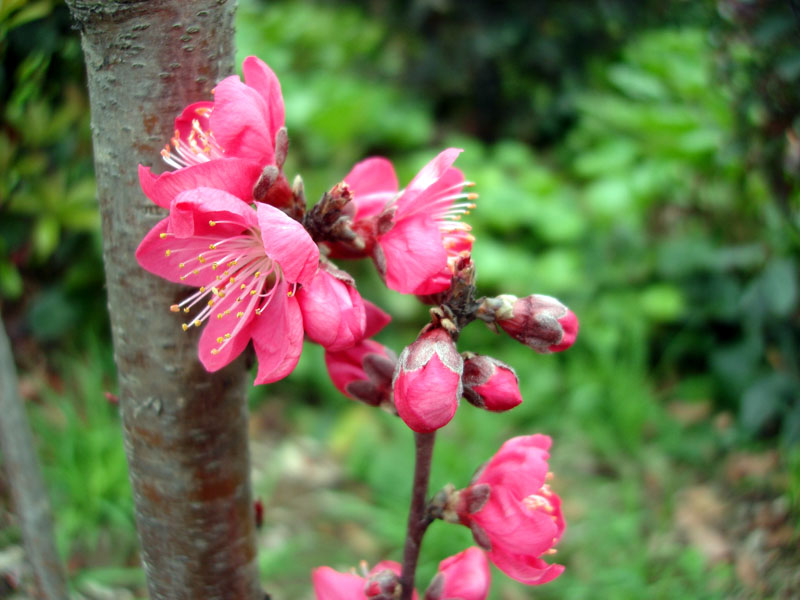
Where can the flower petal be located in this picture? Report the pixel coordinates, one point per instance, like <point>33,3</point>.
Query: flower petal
<point>227,329</point>
<point>234,175</point>
<point>288,243</point>
<point>193,210</point>
<point>373,183</point>
<point>261,78</point>
<point>241,122</point>
<point>525,569</point>
<point>332,585</point>
<point>278,337</point>
<point>414,253</point>
<point>427,177</point>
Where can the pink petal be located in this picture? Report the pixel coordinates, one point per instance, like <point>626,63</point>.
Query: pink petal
<point>529,570</point>
<point>233,175</point>
<point>427,177</point>
<point>199,111</point>
<point>288,243</point>
<point>152,254</point>
<point>261,78</point>
<point>373,183</point>
<point>376,319</point>
<point>512,526</point>
<point>346,366</point>
<point>223,321</point>
<point>332,585</point>
<point>333,312</point>
<point>193,210</point>
<point>466,575</point>
<point>414,253</point>
<point>426,399</point>
<point>278,337</point>
<point>242,123</point>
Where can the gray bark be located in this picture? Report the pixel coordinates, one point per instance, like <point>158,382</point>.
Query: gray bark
<point>27,486</point>
<point>185,430</point>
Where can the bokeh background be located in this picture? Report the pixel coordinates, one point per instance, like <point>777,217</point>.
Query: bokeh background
<point>638,160</point>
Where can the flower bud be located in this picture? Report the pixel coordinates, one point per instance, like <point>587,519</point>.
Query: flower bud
<point>538,321</point>
<point>465,576</point>
<point>363,372</point>
<point>489,383</point>
<point>427,381</point>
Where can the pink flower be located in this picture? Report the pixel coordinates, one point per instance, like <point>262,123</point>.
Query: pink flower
<point>465,576</point>
<point>225,144</point>
<point>521,520</point>
<point>538,321</point>
<point>246,265</point>
<point>379,583</point>
<point>490,384</point>
<point>333,311</point>
<point>427,381</point>
<point>413,235</point>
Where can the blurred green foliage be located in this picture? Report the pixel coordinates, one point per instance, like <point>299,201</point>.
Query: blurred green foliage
<point>637,160</point>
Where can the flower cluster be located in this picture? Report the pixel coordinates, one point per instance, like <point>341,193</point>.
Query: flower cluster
<point>260,266</point>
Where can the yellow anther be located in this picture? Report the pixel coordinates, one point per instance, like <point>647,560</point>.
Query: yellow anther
<point>181,265</point>
<point>220,315</point>
<point>183,277</point>
<point>472,196</point>
<point>211,302</point>
<point>226,272</point>
<point>241,287</point>
<point>201,258</point>
<point>212,223</point>
<point>195,271</point>
<point>227,336</point>
<point>252,292</point>
<point>214,351</point>
<point>220,340</point>
<point>257,274</point>
<point>239,315</point>
<point>175,308</point>
<point>212,246</point>
<point>197,323</point>
<point>186,310</point>
<point>167,252</point>
<point>239,299</point>
<point>215,291</point>
<point>227,311</point>
<point>233,279</point>
<point>202,289</point>
<point>185,326</point>
<point>258,311</point>
<point>163,236</point>
<point>214,266</point>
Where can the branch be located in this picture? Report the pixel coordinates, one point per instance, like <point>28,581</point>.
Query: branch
<point>27,486</point>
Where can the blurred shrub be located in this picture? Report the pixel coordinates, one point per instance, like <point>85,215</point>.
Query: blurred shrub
<point>49,225</point>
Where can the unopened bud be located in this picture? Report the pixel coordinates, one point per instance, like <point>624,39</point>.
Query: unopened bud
<point>427,382</point>
<point>281,146</point>
<point>538,321</point>
<point>490,383</point>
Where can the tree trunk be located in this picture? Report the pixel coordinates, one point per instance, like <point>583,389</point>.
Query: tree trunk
<point>185,429</point>
<point>25,479</point>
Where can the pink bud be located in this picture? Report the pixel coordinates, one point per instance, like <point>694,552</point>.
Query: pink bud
<point>490,384</point>
<point>427,381</point>
<point>521,520</point>
<point>538,321</point>
<point>465,576</point>
<point>333,311</point>
<point>363,372</point>
<point>380,583</point>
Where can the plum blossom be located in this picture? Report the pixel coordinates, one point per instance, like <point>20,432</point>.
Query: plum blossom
<point>415,234</point>
<point>226,144</point>
<point>427,381</point>
<point>521,519</point>
<point>246,265</point>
